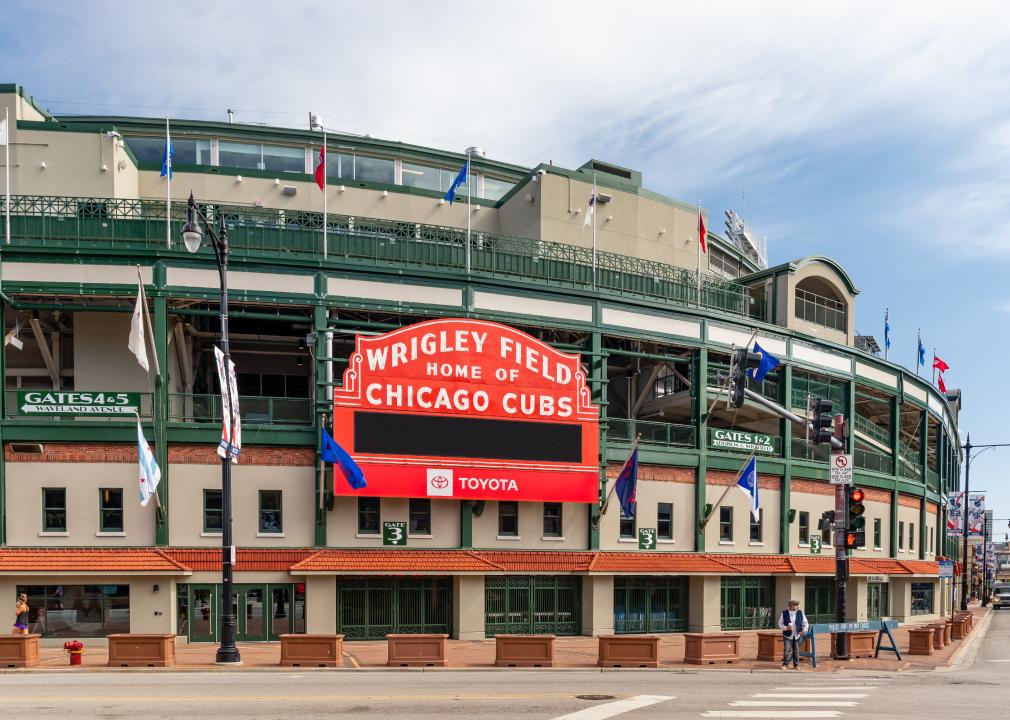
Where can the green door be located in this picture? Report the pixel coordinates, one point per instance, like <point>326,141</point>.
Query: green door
<point>203,614</point>
<point>253,612</point>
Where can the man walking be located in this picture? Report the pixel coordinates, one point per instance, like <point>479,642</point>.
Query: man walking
<point>793,624</point>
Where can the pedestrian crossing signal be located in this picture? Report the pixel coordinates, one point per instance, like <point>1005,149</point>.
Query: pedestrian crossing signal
<point>855,535</point>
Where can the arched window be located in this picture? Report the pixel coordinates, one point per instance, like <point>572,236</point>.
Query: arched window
<point>818,301</point>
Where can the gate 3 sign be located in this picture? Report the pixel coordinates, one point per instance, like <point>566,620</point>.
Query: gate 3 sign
<point>467,409</point>
<point>94,403</point>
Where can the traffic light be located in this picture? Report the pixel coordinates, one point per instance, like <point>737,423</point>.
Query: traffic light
<point>855,529</point>
<point>741,361</point>
<point>826,521</point>
<point>823,421</point>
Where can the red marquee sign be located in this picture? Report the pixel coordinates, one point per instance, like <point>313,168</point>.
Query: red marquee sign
<point>467,409</point>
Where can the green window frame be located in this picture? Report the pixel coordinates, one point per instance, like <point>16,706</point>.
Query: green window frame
<point>369,608</point>
<point>901,534</point>
<point>877,531</point>
<point>271,512</point>
<point>54,509</point>
<point>804,527</point>
<point>725,524</point>
<point>664,521</point>
<point>368,516</point>
<point>748,603</point>
<point>508,518</point>
<point>819,600</point>
<point>553,526</point>
<point>911,537</point>
<point>213,511</point>
<point>524,604</point>
<point>110,510</point>
<point>420,517</point>
<point>627,527</point>
<point>757,529</point>
<point>656,603</point>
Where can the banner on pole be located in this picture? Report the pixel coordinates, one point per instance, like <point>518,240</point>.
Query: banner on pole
<point>955,521</point>
<point>976,514</point>
<point>231,426</point>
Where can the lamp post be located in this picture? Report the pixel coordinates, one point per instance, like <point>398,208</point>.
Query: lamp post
<point>193,238</point>
<point>964,511</point>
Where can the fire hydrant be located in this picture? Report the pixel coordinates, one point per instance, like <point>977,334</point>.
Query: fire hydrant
<point>75,649</point>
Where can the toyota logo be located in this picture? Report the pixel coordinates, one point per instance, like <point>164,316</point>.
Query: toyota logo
<point>440,481</point>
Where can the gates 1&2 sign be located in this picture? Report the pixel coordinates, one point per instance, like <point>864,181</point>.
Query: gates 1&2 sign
<point>467,409</point>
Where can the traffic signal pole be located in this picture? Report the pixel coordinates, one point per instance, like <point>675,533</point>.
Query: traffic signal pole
<point>841,553</point>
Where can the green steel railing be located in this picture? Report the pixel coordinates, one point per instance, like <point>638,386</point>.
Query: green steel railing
<point>653,433</point>
<point>836,393</point>
<point>254,410</point>
<point>872,430</point>
<point>802,450</point>
<point>820,310</point>
<point>83,223</point>
<point>872,460</point>
<point>909,466</point>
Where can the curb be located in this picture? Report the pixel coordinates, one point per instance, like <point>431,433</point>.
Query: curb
<point>959,656</point>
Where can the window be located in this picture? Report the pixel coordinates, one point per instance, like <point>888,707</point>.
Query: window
<point>725,524</point>
<point>664,521</point>
<point>804,528</point>
<point>901,536</point>
<point>241,155</point>
<point>929,534</point>
<point>627,529</point>
<point>922,598</point>
<point>911,537</point>
<point>748,603</point>
<point>110,510</point>
<point>650,604</point>
<point>495,189</point>
<point>213,515</point>
<point>339,166</point>
<point>368,516</point>
<point>283,159</point>
<point>552,520</point>
<point>372,169</point>
<point>270,512</point>
<point>151,151</point>
<point>54,509</point>
<point>819,600</point>
<point>876,533</point>
<point>508,519</point>
<point>722,264</point>
<point>76,611</point>
<point>420,516</point>
<point>421,176</point>
<point>757,534</point>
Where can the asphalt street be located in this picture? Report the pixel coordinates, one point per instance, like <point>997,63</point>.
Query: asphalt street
<point>977,689</point>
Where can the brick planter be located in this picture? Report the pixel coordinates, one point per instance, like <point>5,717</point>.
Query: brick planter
<point>628,651</point>
<point>947,627</point>
<point>524,650</point>
<point>938,632</point>
<point>135,650</point>
<point>861,644</point>
<point>920,641</point>
<point>19,650</point>
<point>299,650</point>
<point>957,630</point>
<point>711,648</point>
<point>411,650</point>
<point>770,646</point>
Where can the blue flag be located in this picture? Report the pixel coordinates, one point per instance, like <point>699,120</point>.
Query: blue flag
<point>460,179</point>
<point>887,332</point>
<point>338,457</point>
<point>922,353</point>
<point>748,483</point>
<point>627,482</point>
<point>768,363</point>
<point>166,157</point>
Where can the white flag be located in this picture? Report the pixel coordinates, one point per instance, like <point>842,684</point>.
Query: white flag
<point>150,473</point>
<point>3,131</point>
<point>137,344</point>
<point>231,426</point>
<point>590,209</point>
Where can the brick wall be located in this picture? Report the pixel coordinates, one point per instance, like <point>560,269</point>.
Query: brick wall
<point>177,454</point>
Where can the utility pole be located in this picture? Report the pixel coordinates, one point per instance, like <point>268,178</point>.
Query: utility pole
<point>841,554</point>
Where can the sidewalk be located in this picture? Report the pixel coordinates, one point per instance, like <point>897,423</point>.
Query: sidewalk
<point>570,652</point>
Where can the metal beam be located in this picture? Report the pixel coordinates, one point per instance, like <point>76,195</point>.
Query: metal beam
<point>47,356</point>
<point>184,349</point>
<point>645,390</point>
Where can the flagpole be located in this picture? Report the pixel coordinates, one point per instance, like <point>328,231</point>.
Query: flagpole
<point>168,187</point>
<point>595,203</point>
<point>918,344</point>
<point>887,341</point>
<point>698,295</point>
<point>934,365</point>
<point>7,172</point>
<point>726,491</point>
<point>326,159</point>
<point>469,195</point>
<point>613,488</point>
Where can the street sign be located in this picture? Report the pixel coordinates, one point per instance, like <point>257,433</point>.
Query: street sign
<point>815,545</point>
<point>946,568</point>
<point>94,403</point>
<point>840,467</point>
<point>720,439</point>
<point>646,538</point>
<point>394,533</point>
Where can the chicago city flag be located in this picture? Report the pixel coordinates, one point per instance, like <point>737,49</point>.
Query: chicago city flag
<point>150,473</point>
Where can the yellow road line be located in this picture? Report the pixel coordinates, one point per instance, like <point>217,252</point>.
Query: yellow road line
<point>273,698</point>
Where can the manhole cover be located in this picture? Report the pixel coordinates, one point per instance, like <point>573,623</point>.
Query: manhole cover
<point>595,697</point>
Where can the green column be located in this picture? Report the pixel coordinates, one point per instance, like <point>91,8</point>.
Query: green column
<point>466,524</point>
<point>598,387</point>
<point>700,381</point>
<point>895,453</point>
<point>321,408</point>
<point>3,418</point>
<point>161,533</point>
<point>785,495</point>
<point>924,460</point>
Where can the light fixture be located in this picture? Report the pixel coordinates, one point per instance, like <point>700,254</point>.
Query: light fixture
<point>609,218</point>
<point>191,233</point>
<point>341,189</point>
<point>105,168</point>
<point>42,164</point>
<point>476,208</point>
<point>475,151</point>
<point>385,193</point>
<point>442,201</point>
<point>155,588</point>
<point>277,181</point>
<point>238,178</point>
<point>300,362</point>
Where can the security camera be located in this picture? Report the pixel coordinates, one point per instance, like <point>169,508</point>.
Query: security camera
<point>541,171</point>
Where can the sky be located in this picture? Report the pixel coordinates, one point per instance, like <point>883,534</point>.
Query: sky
<point>874,133</point>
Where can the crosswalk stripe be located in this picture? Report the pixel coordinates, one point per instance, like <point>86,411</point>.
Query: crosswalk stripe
<point>793,703</point>
<point>607,710</point>
<point>827,687</point>
<point>819,696</point>
<point>772,713</point>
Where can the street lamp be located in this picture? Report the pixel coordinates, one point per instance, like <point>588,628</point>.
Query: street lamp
<point>967,447</point>
<point>192,236</point>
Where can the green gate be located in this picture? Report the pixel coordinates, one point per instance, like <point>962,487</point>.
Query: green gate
<point>650,604</point>
<point>369,608</point>
<point>819,600</point>
<point>747,603</point>
<point>532,604</point>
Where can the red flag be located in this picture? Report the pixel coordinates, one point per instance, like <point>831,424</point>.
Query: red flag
<point>320,171</point>
<point>940,384</point>
<point>701,232</point>
<point>940,365</point>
